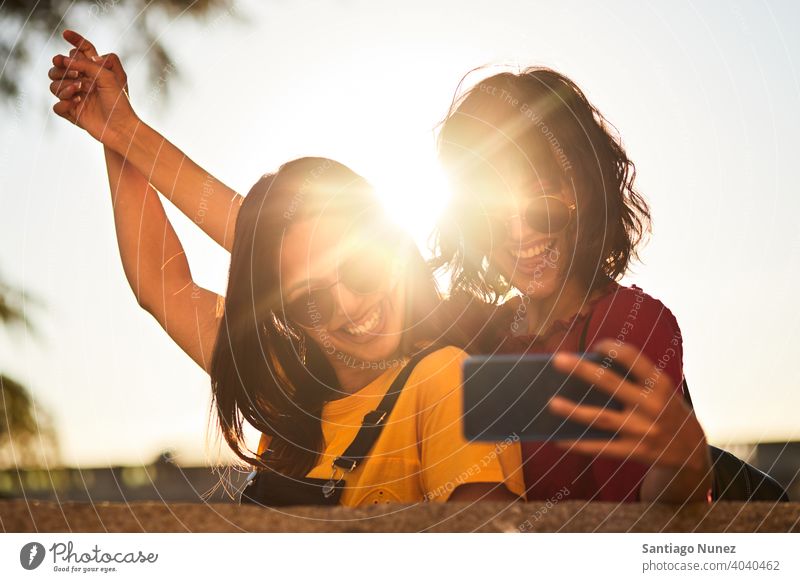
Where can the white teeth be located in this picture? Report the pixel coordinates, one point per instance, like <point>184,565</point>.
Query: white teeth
<point>531,252</point>
<point>366,325</point>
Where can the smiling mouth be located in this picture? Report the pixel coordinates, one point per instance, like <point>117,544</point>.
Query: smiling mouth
<point>366,324</point>
<point>533,251</point>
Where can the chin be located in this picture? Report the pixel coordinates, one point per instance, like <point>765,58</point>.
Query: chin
<point>534,274</point>
<point>381,350</point>
<point>537,287</point>
<point>376,338</point>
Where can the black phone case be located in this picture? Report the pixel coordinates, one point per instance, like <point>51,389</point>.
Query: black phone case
<point>507,396</point>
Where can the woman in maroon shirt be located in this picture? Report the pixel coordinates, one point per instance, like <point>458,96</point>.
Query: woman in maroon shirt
<point>544,211</point>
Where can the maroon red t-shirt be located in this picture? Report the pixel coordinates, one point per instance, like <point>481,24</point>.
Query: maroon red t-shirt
<point>626,314</point>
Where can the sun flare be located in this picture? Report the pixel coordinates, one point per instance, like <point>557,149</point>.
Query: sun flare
<point>414,198</point>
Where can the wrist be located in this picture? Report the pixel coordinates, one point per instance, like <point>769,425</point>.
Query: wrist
<point>700,460</point>
<point>122,137</point>
<point>688,482</point>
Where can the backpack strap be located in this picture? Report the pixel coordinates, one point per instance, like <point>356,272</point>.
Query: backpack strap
<point>374,421</point>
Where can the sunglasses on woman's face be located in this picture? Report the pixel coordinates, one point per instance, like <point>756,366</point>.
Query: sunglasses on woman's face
<point>364,273</point>
<point>545,214</point>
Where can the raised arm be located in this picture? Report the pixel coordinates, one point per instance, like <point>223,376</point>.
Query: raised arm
<point>152,256</point>
<point>155,264</point>
<point>208,202</point>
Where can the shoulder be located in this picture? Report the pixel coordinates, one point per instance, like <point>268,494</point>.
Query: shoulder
<point>438,374</point>
<point>630,315</point>
<point>632,307</point>
<point>472,323</point>
<point>440,361</point>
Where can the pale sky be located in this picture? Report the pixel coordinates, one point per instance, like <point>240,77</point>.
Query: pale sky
<point>704,94</point>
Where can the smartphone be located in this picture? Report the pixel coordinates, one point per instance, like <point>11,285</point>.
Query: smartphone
<point>507,396</point>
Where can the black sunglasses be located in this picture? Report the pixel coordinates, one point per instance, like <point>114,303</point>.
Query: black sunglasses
<point>545,214</point>
<point>363,273</point>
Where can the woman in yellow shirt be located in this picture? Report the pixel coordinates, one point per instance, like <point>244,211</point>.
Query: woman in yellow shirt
<point>421,454</point>
<point>326,301</point>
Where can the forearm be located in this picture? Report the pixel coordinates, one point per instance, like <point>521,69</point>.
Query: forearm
<point>208,202</point>
<point>471,492</point>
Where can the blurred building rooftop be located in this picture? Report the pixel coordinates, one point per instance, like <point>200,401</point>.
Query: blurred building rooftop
<point>164,480</point>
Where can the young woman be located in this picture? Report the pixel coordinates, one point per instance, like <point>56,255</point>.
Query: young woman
<point>492,250</point>
<point>545,212</point>
<point>326,301</point>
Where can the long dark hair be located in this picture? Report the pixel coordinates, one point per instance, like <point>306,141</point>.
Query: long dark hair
<point>544,116</point>
<point>257,370</point>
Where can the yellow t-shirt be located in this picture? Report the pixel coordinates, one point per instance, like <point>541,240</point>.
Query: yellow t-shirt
<point>422,454</point>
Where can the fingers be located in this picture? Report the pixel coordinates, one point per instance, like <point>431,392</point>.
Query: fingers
<point>111,61</point>
<point>58,73</point>
<point>632,359</point>
<point>91,68</point>
<point>56,87</point>
<point>65,109</point>
<point>600,418</point>
<point>68,91</point>
<point>596,374</point>
<point>80,43</point>
<point>67,88</point>
<point>644,378</point>
<point>58,60</point>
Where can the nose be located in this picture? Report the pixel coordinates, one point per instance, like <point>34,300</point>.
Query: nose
<point>349,305</point>
<point>517,227</point>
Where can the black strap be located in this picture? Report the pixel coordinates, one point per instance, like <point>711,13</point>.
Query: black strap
<point>686,395</point>
<point>584,332</point>
<point>374,421</point>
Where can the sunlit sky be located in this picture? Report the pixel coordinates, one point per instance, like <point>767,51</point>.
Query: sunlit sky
<point>705,95</point>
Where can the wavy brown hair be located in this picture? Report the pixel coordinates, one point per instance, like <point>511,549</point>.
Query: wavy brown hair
<point>258,375</point>
<point>545,117</point>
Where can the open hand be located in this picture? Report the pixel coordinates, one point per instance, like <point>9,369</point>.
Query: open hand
<point>655,426</point>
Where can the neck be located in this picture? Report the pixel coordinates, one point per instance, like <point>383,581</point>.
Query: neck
<point>541,312</point>
<point>353,375</point>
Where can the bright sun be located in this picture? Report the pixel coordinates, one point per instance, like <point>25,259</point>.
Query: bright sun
<point>414,198</point>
